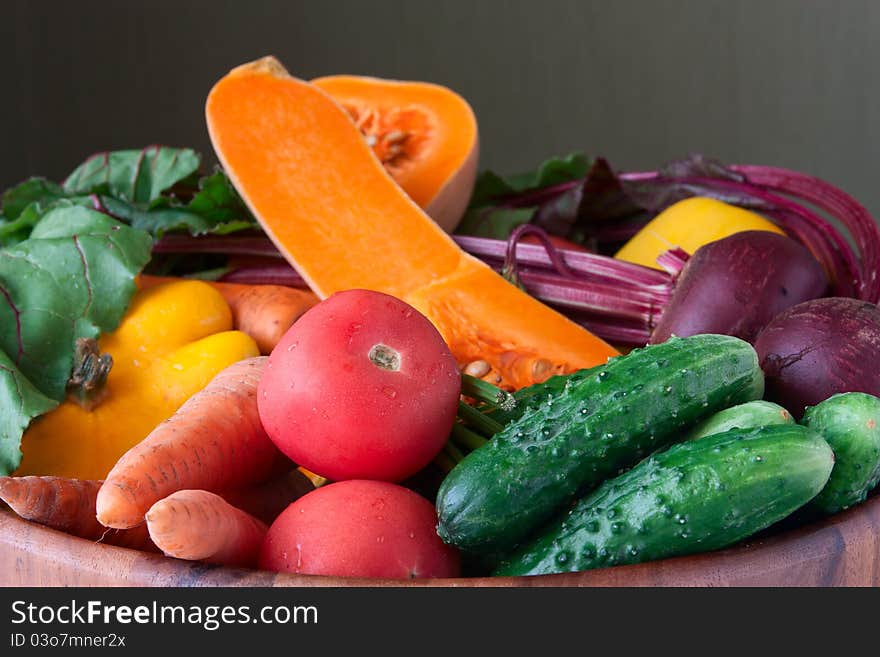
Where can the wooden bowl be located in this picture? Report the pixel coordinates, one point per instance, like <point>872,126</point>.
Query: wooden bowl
<point>843,550</point>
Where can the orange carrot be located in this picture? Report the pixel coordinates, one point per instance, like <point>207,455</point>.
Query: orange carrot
<point>67,505</point>
<point>267,500</point>
<point>264,312</point>
<point>200,526</point>
<point>215,442</point>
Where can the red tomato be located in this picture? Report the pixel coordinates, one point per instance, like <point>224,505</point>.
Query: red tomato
<point>362,386</point>
<point>359,528</point>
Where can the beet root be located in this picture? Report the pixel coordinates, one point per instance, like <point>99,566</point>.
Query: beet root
<point>736,285</point>
<point>819,348</point>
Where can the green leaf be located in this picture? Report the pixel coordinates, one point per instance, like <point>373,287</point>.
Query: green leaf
<point>488,213</point>
<point>156,221</point>
<point>497,223</point>
<point>218,201</point>
<point>554,171</point>
<point>20,402</point>
<point>216,209</point>
<point>131,175</point>
<point>490,186</point>
<point>141,188</point>
<point>600,199</point>
<point>22,207</point>
<point>19,229</point>
<point>33,190</point>
<point>569,197</point>
<point>73,277</point>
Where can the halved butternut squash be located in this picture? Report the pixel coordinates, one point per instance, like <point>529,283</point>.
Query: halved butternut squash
<point>304,169</point>
<point>425,135</point>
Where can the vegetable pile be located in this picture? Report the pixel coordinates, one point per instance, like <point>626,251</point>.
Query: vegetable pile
<point>345,354</point>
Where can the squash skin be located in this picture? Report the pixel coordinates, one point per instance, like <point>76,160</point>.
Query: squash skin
<point>688,225</point>
<point>441,177</point>
<point>299,162</point>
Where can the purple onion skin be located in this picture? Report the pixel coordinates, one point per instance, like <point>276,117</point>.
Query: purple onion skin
<point>819,348</point>
<point>736,285</point>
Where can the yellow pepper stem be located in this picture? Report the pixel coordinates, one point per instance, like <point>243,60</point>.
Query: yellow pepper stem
<point>90,370</point>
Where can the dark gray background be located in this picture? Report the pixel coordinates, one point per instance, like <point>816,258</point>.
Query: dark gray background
<point>785,82</point>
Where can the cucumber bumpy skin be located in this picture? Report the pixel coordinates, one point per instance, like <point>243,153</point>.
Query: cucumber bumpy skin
<point>696,496</point>
<point>757,413</point>
<point>850,422</point>
<point>588,431</point>
<point>531,397</point>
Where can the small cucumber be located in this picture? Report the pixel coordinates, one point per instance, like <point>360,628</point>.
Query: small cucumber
<point>597,423</point>
<point>696,496</point>
<point>756,413</point>
<point>850,422</point>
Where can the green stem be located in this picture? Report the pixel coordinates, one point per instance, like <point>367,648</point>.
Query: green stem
<point>89,374</point>
<point>479,421</point>
<point>485,392</point>
<point>453,452</point>
<point>444,462</point>
<point>466,438</point>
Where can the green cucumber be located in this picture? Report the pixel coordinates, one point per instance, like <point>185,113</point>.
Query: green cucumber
<point>850,422</point>
<point>756,413</point>
<point>591,429</point>
<point>529,398</point>
<point>696,496</point>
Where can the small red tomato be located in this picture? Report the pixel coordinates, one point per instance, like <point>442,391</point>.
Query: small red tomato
<point>359,528</point>
<point>362,386</point>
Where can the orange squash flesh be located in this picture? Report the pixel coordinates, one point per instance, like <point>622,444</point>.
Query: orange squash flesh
<point>326,201</point>
<point>425,135</point>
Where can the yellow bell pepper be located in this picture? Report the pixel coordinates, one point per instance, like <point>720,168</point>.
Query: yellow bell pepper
<point>688,225</point>
<point>172,341</point>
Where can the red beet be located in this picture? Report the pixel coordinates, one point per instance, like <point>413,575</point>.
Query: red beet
<point>734,286</point>
<point>819,348</point>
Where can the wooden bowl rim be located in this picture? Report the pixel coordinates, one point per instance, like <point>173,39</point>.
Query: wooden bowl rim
<point>813,555</point>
